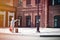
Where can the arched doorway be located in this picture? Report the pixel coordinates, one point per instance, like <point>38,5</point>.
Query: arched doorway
<point>57,21</point>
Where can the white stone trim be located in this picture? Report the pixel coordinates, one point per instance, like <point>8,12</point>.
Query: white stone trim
<point>10,14</point>
<point>4,14</point>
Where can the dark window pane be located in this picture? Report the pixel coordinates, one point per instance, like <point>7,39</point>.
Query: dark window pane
<point>28,2</point>
<point>58,2</point>
<point>50,2</point>
<point>37,1</point>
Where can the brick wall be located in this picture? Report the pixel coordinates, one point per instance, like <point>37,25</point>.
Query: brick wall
<point>53,11</point>
<point>32,11</point>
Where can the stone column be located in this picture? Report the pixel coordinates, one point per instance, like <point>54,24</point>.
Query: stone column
<point>42,21</point>
<point>46,13</point>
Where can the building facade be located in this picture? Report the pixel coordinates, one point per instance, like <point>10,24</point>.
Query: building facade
<point>54,13</point>
<point>49,14</point>
<point>7,10</point>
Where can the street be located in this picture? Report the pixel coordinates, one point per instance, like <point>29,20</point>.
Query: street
<point>19,37</point>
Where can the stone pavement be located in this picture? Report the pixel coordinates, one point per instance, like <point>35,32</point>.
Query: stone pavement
<point>32,31</point>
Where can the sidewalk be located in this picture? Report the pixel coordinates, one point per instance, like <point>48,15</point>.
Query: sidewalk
<point>32,31</point>
<point>21,31</point>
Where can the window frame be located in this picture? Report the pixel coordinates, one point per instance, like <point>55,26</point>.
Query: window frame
<point>28,2</point>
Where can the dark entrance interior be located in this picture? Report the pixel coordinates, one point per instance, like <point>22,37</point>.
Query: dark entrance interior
<point>28,21</point>
<point>19,21</point>
<point>37,20</point>
<point>57,21</point>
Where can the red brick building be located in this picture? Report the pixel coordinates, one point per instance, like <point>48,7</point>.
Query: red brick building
<point>49,13</point>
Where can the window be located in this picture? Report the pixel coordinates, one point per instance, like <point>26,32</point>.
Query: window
<point>37,1</point>
<point>54,2</point>
<point>20,2</point>
<point>28,2</point>
<point>58,2</point>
